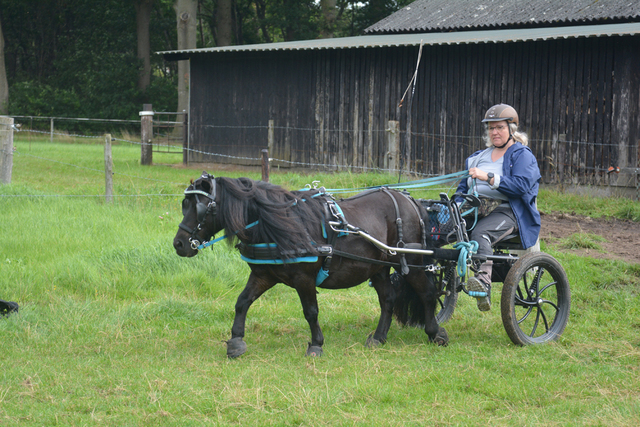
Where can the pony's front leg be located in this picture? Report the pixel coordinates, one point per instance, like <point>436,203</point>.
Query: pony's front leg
<point>255,287</point>
<point>309,300</point>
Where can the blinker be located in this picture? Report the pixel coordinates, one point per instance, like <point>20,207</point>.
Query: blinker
<point>205,182</point>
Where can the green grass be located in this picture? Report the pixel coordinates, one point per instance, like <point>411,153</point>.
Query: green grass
<point>582,241</point>
<point>116,329</point>
<point>595,207</point>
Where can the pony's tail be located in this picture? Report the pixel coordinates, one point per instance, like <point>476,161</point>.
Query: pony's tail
<point>408,308</point>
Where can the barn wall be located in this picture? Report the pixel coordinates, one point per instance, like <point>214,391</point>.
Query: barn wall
<point>578,100</point>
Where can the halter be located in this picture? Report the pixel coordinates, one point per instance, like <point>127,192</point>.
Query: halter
<point>203,210</point>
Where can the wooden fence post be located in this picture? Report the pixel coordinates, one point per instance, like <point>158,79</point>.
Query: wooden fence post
<point>6,149</point>
<point>51,135</point>
<point>185,139</point>
<point>108,169</point>
<point>393,139</point>
<point>271,138</point>
<point>146,135</point>
<point>265,165</point>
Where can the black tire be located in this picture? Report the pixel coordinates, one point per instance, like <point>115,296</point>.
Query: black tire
<point>536,300</point>
<point>447,302</point>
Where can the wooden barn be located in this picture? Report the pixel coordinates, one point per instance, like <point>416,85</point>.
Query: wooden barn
<point>572,72</point>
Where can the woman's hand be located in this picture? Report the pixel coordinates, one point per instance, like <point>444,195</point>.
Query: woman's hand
<point>478,174</point>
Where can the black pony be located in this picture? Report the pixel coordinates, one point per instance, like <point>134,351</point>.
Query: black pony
<point>286,238</point>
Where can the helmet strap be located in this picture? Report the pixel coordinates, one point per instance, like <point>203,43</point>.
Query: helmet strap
<point>508,139</point>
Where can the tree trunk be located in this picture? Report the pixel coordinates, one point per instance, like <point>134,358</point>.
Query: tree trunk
<point>4,86</point>
<point>143,16</point>
<point>261,12</point>
<point>224,23</point>
<point>328,18</point>
<point>186,13</point>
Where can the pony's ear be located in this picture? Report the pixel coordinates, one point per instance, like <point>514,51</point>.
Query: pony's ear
<point>191,181</point>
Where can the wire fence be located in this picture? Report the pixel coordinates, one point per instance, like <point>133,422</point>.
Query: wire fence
<point>165,140</point>
<point>65,136</point>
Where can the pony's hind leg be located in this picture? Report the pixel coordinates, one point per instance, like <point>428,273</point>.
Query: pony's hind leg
<point>425,287</point>
<point>255,287</point>
<point>386,297</point>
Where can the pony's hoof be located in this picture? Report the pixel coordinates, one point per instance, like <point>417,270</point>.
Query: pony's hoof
<point>372,342</point>
<point>441,338</point>
<point>235,348</point>
<point>314,351</point>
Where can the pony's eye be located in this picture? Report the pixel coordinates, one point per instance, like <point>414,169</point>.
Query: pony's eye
<point>185,204</point>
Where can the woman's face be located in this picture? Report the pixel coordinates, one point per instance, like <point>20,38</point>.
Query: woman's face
<point>498,133</point>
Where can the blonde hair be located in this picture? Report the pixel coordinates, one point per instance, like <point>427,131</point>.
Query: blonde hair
<point>521,137</point>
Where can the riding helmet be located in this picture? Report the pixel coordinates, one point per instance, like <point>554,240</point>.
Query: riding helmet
<point>501,112</point>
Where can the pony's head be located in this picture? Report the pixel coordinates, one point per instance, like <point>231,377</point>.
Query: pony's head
<point>199,209</point>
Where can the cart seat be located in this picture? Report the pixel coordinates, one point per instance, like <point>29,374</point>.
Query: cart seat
<point>511,243</point>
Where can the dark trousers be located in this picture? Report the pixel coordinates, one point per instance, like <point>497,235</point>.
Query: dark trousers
<point>493,228</point>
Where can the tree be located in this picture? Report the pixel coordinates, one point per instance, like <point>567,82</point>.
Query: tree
<point>143,16</point>
<point>224,23</point>
<point>329,12</point>
<point>4,86</point>
<point>186,12</point>
<point>87,58</point>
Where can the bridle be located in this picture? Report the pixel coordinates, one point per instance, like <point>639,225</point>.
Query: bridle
<point>203,209</point>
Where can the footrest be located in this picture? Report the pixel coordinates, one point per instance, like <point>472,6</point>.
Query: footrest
<point>478,294</point>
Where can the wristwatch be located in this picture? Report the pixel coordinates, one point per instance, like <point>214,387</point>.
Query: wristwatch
<point>490,176</point>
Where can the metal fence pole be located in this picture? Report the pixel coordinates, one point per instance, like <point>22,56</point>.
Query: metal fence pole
<point>6,149</point>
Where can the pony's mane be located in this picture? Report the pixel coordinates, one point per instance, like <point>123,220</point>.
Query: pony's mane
<point>288,219</point>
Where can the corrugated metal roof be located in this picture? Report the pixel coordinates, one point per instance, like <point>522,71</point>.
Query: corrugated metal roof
<point>460,15</point>
<point>462,37</point>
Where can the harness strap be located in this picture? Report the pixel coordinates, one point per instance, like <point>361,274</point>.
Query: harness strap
<point>404,268</point>
<point>331,208</point>
<point>423,227</point>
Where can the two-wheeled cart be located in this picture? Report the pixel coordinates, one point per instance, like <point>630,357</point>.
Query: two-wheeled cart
<point>536,298</point>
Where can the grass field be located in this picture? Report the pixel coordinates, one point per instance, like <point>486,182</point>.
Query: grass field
<point>115,329</point>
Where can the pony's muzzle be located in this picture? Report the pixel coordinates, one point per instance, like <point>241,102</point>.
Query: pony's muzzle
<point>183,249</point>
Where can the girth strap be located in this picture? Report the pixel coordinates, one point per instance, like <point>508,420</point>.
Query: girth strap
<point>404,268</point>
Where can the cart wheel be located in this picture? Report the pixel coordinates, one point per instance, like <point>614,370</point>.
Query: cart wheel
<point>535,299</point>
<point>447,302</point>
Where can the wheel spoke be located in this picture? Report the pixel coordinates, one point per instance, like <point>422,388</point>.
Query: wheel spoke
<point>525,302</point>
<point>551,303</point>
<point>535,324</point>
<point>524,317</point>
<point>544,319</point>
<point>547,287</point>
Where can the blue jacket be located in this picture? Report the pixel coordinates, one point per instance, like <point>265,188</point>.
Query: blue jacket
<point>519,182</point>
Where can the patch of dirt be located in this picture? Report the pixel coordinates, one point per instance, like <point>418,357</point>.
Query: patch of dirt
<point>622,238</point>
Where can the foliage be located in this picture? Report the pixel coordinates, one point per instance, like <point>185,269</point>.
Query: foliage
<point>39,99</point>
<point>78,58</point>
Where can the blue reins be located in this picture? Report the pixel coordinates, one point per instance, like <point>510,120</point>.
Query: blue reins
<point>216,240</point>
